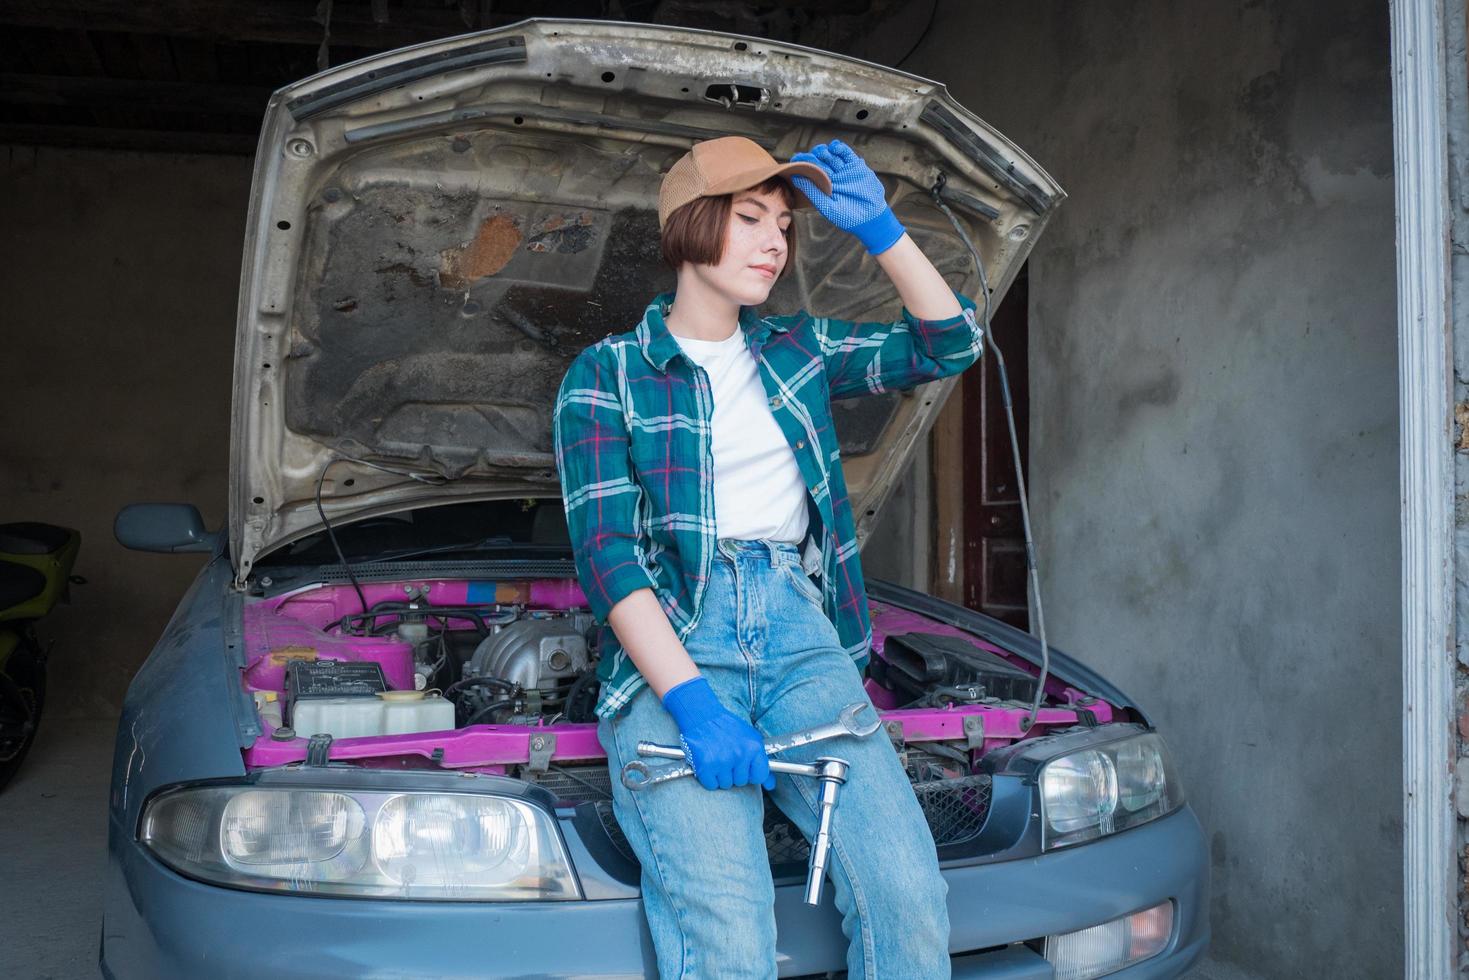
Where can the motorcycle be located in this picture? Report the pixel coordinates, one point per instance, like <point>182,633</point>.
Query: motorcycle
<point>35,574</point>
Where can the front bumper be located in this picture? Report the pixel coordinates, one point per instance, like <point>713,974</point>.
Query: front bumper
<point>159,924</point>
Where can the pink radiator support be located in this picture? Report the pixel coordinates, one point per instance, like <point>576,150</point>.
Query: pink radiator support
<point>293,626</point>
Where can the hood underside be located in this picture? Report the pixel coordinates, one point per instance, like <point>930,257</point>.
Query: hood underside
<point>434,233</point>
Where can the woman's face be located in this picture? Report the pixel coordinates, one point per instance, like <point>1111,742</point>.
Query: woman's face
<point>754,248</point>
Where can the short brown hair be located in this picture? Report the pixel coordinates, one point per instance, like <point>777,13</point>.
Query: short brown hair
<point>694,232</point>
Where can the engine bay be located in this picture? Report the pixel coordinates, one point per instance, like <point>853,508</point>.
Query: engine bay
<point>500,677</point>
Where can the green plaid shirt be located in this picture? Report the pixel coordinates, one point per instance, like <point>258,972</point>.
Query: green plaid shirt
<point>633,447</point>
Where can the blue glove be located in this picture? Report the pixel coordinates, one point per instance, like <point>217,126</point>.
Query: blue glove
<point>724,749</point>
<point>856,203</point>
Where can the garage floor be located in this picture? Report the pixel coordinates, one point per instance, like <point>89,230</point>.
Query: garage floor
<point>53,842</point>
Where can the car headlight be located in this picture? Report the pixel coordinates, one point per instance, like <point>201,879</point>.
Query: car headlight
<point>415,845</point>
<point>1107,788</point>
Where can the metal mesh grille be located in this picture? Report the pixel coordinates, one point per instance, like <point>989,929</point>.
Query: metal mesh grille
<point>954,808</point>
<point>576,784</point>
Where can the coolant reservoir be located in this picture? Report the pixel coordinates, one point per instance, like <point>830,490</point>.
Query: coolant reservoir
<point>415,711</point>
<point>387,713</point>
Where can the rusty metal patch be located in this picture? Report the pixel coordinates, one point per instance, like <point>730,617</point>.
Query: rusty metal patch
<point>561,234</point>
<point>492,247</point>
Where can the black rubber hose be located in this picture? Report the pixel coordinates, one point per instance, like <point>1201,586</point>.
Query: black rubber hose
<point>460,685</point>
<point>488,709</point>
<point>332,534</point>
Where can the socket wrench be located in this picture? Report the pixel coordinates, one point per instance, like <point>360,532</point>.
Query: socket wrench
<point>846,724</point>
<point>831,772</point>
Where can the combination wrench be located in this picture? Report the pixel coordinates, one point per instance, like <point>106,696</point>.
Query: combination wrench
<point>831,772</point>
<point>639,775</point>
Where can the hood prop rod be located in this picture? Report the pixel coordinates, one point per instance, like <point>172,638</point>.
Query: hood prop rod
<point>989,338</point>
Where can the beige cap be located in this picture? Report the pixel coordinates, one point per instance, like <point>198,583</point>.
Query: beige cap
<point>726,165</point>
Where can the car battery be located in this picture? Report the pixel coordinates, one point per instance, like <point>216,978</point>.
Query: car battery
<point>916,663</point>
<point>349,699</point>
<point>308,680</point>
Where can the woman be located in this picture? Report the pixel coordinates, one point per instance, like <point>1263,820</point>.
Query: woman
<point>703,490</point>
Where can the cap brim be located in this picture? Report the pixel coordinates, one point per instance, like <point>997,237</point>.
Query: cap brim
<point>750,178</point>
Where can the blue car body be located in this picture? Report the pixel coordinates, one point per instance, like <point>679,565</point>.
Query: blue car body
<point>183,721</point>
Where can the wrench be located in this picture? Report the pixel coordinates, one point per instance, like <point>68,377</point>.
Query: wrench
<point>833,775</point>
<point>639,775</point>
<point>846,724</point>
<point>831,772</point>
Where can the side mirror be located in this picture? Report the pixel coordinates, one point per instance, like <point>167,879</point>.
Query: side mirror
<point>167,528</point>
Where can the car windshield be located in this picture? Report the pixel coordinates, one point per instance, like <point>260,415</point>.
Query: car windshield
<point>524,525</point>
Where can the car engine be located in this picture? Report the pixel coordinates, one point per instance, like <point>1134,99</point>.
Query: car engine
<point>503,665</point>
<point>528,669</point>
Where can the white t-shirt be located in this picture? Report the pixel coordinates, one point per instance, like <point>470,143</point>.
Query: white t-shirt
<point>758,489</point>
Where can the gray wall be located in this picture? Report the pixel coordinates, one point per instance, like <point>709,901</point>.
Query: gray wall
<point>1214,428</point>
<point>120,272</point>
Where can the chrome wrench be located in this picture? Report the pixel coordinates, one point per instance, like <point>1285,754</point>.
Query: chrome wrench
<point>639,775</point>
<point>846,724</point>
<point>833,775</point>
<point>831,772</point>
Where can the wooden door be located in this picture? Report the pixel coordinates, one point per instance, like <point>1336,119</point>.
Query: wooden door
<point>994,540</point>
<point>980,546</point>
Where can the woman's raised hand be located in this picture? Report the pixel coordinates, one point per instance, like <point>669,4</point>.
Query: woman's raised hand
<point>857,203</point>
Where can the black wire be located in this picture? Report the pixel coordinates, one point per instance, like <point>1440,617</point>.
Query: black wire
<point>927,27</point>
<point>332,534</point>
<point>432,480</point>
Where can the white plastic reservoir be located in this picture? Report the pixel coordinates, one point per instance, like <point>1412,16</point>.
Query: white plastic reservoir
<point>389,713</point>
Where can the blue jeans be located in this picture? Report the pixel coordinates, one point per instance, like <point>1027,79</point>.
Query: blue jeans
<point>771,655</point>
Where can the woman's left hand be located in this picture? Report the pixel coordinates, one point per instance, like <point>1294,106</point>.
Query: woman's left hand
<point>857,202</point>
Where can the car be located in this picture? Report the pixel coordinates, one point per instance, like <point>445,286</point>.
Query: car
<point>364,744</point>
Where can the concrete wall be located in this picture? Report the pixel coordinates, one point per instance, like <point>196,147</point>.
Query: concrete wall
<point>1214,431</point>
<point>120,273</point>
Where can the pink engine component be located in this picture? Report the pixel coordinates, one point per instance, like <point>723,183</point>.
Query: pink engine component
<point>293,626</point>
<point>273,640</point>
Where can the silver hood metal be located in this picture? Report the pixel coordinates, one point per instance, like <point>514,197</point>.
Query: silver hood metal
<point>435,232</point>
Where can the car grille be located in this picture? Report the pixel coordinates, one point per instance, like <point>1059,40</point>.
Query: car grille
<point>954,808</point>
<point>576,784</point>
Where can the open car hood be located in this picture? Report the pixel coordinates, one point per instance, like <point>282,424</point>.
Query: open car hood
<point>435,232</point>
